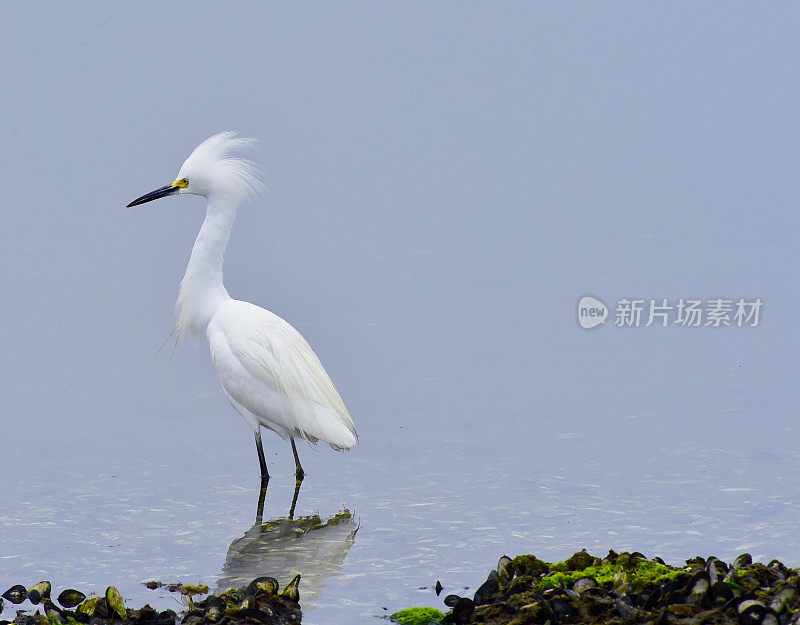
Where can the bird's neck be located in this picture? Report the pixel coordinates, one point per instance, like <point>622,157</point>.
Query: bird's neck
<point>202,288</point>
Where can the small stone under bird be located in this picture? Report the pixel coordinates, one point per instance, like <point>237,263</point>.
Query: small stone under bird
<point>270,374</point>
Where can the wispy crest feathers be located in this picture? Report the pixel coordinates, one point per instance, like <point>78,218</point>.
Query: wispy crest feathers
<point>213,163</point>
<point>213,171</point>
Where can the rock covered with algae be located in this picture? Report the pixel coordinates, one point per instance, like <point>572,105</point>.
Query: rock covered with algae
<point>417,616</point>
<point>258,603</point>
<point>629,589</point>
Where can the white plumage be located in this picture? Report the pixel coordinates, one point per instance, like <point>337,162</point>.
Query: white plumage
<point>270,374</point>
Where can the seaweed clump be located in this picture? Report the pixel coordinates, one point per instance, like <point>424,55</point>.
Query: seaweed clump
<point>417,616</point>
<point>630,589</point>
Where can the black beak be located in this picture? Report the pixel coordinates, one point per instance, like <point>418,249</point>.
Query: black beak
<point>154,195</point>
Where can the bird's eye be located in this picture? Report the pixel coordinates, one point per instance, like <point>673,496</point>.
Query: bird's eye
<point>185,182</point>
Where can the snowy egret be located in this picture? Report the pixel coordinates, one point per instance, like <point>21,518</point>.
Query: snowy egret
<point>268,371</point>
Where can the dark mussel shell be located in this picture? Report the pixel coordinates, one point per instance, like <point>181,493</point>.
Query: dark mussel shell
<point>16,594</point>
<point>39,591</point>
<point>262,585</point>
<point>292,589</point>
<point>70,597</point>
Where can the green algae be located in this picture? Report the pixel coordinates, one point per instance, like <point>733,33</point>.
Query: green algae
<point>417,616</point>
<point>55,620</point>
<point>624,569</point>
<point>115,603</point>
<point>603,574</point>
<point>90,605</point>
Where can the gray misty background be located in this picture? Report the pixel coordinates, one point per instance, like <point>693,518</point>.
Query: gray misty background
<point>444,181</point>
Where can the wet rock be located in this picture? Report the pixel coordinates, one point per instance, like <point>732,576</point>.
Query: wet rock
<point>620,581</point>
<point>777,570</point>
<point>262,585</point>
<point>529,565</point>
<point>451,600</point>
<point>438,588</point>
<point>744,605</point>
<point>579,561</point>
<point>624,606</point>
<point>502,563</point>
<point>487,590</point>
<point>496,612</point>
<point>53,613</point>
<point>214,609</point>
<point>684,610</point>
<point>255,615</point>
<point>70,597</point>
<point>292,590</point>
<point>671,592</point>
<point>518,586</point>
<point>167,616</point>
<point>743,561</point>
<point>698,595</point>
<point>563,610</point>
<point>592,606</point>
<point>752,612</point>
<point>582,584</point>
<point>716,570</point>
<point>38,592</point>
<point>462,610</point>
<point>115,604</point>
<point>783,599</point>
<point>611,557</point>
<point>721,593</point>
<point>145,614</point>
<point>92,606</point>
<point>505,570</point>
<point>647,600</point>
<point>16,594</point>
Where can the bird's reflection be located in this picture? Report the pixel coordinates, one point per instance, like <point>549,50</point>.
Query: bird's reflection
<point>263,494</point>
<point>310,546</point>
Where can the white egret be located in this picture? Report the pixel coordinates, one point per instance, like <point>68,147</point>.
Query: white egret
<point>270,374</point>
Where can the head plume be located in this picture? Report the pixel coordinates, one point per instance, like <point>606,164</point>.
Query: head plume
<point>212,168</point>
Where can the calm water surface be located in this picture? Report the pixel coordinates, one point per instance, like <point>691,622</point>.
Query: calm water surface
<point>165,487</point>
<point>442,189</point>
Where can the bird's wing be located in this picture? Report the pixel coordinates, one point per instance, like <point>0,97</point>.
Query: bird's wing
<point>269,368</point>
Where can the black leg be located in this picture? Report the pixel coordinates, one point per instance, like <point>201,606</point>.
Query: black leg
<point>262,462</point>
<point>261,497</point>
<point>299,473</point>
<point>294,499</point>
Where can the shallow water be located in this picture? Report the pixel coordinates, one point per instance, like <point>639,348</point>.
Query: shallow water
<point>441,191</point>
<point>430,502</point>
